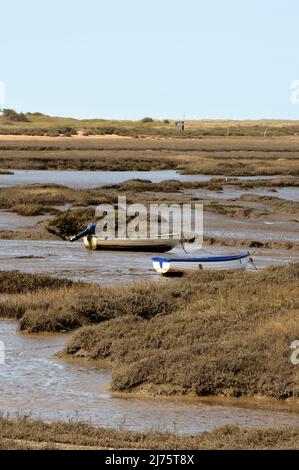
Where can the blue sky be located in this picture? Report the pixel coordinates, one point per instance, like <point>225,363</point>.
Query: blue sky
<point>160,58</point>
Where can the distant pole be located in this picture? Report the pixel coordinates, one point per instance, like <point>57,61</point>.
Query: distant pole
<point>265,133</point>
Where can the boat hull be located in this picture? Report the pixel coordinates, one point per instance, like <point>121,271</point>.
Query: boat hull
<point>146,245</point>
<point>178,265</point>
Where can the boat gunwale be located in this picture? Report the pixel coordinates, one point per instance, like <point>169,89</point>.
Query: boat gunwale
<point>163,239</point>
<point>209,259</point>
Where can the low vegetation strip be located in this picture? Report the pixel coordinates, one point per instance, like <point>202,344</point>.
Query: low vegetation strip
<point>28,434</point>
<point>208,333</point>
<point>229,156</point>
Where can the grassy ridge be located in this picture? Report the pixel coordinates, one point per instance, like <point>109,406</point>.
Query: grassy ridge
<point>210,333</point>
<point>40,124</point>
<point>26,434</point>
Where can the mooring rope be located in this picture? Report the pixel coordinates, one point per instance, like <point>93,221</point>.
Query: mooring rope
<point>182,243</point>
<point>252,262</point>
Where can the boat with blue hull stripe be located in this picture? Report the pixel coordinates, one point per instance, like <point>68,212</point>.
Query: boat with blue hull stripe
<point>164,265</point>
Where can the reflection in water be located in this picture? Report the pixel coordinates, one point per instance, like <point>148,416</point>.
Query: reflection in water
<point>35,383</point>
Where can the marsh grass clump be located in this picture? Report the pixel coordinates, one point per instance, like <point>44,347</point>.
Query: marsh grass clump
<point>137,301</point>
<point>48,320</point>
<point>67,307</point>
<point>15,282</point>
<point>71,222</point>
<point>30,210</point>
<point>39,198</point>
<point>44,199</point>
<point>274,202</point>
<point>235,210</point>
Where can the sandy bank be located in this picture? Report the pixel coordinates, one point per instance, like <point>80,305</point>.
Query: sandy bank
<point>79,136</point>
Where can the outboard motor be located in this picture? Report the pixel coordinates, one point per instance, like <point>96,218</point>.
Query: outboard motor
<point>89,231</point>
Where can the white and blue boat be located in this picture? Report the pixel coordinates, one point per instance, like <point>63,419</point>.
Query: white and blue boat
<point>167,265</point>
